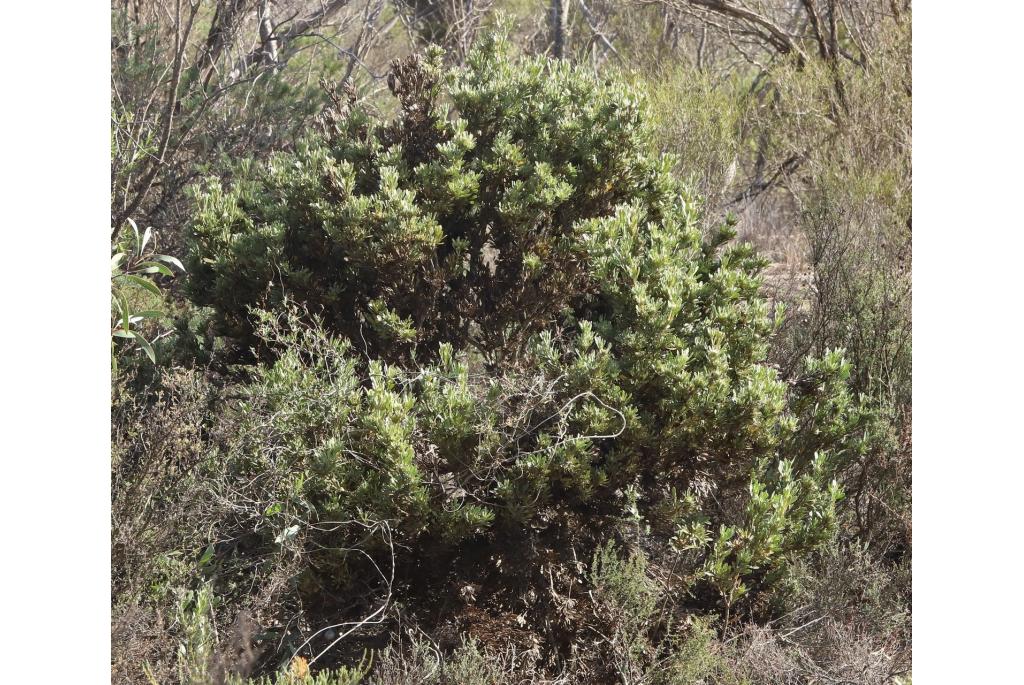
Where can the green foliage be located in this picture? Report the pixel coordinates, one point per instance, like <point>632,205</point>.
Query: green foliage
<point>794,514</point>
<point>196,649</point>
<point>346,449</point>
<point>168,128</point>
<point>628,599</point>
<point>133,269</point>
<point>470,665</point>
<point>702,120</point>
<point>696,656</point>
<point>459,222</point>
<point>618,345</point>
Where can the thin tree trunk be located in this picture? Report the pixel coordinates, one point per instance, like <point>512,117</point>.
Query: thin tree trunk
<point>700,47</point>
<point>559,27</point>
<point>221,33</point>
<point>267,37</point>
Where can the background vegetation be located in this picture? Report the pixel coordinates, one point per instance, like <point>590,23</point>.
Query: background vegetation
<point>507,342</point>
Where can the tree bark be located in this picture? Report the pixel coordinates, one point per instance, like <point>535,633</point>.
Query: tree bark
<point>559,27</point>
<point>225,22</point>
<point>267,37</point>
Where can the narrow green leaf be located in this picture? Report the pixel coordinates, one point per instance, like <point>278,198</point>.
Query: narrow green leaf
<point>125,310</point>
<point>143,283</point>
<point>154,268</point>
<point>146,347</point>
<point>151,314</point>
<point>135,228</point>
<point>173,261</point>
<point>207,556</point>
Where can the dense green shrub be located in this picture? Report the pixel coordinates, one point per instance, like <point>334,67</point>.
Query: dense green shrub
<point>514,214</point>
<point>459,222</point>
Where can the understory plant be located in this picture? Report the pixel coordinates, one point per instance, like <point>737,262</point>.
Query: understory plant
<point>134,267</point>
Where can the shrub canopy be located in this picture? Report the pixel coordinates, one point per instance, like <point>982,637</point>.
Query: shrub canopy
<point>514,315</point>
